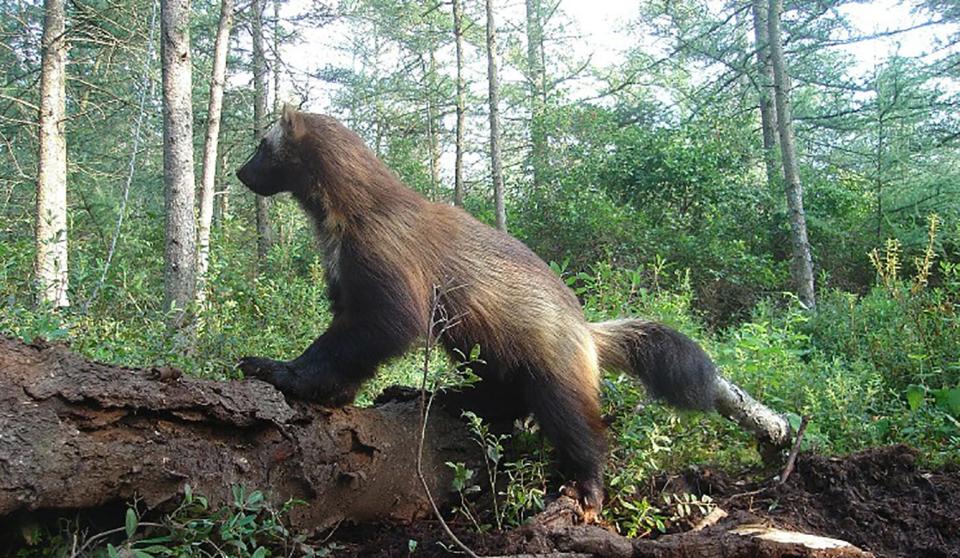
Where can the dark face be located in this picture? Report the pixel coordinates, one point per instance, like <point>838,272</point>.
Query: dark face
<point>264,171</point>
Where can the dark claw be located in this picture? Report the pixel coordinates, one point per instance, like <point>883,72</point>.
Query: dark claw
<point>263,369</point>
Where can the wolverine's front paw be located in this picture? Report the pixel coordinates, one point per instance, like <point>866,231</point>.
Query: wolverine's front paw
<point>274,372</point>
<point>299,383</point>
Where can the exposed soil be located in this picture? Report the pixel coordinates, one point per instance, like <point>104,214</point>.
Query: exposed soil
<point>878,500</point>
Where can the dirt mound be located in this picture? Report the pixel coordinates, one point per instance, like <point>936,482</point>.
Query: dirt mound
<point>877,500</point>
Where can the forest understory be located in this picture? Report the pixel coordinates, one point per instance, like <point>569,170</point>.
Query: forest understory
<point>89,438</point>
<point>879,500</point>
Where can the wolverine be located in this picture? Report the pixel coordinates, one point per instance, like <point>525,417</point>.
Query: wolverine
<point>386,249</point>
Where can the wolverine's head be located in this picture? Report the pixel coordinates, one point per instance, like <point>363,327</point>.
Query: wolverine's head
<point>274,166</point>
<point>326,166</point>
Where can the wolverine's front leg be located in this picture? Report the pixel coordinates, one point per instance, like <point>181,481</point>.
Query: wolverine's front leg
<point>311,382</point>
<point>334,367</point>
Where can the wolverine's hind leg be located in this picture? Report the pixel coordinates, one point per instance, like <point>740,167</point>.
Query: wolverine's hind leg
<point>499,401</point>
<point>566,404</point>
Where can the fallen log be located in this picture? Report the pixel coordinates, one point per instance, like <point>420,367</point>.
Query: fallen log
<point>75,435</point>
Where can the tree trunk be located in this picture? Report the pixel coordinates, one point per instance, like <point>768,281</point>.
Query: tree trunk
<point>276,55</point>
<point>802,260</point>
<point>264,228</point>
<point>768,111</point>
<point>223,190</point>
<point>80,435</point>
<point>180,248</point>
<point>210,144</point>
<point>50,265</point>
<point>496,165</point>
<point>433,125</point>
<point>458,189</point>
<point>537,80</point>
<point>878,182</point>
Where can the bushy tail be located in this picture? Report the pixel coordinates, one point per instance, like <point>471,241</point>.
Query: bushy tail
<point>671,365</point>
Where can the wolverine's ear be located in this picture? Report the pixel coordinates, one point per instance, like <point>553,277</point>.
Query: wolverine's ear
<point>292,123</point>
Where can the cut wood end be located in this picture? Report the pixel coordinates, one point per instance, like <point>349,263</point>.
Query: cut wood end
<point>813,542</point>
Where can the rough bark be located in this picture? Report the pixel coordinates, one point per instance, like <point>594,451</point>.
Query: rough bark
<point>79,435</point>
<point>458,189</point>
<point>537,91</point>
<point>210,144</point>
<point>802,266</point>
<point>768,111</point>
<point>264,227</point>
<point>50,264</point>
<point>180,244</point>
<point>493,79</point>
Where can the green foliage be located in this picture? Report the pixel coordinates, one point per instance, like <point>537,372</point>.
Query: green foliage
<point>247,527</point>
<point>631,186</point>
<point>512,501</point>
<point>831,365</point>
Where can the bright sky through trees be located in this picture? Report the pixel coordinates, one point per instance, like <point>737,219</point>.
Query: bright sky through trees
<point>605,37</point>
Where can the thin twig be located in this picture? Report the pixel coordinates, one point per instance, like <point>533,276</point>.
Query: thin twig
<point>792,459</point>
<point>787,469</point>
<point>105,534</point>
<point>425,404</point>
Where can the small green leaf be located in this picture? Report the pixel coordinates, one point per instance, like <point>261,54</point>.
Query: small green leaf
<point>948,399</point>
<point>131,522</point>
<point>411,545</point>
<point>238,495</point>
<point>794,420</point>
<point>953,401</point>
<point>915,396</point>
<point>112,551</point>
<point>260,552</point>
<point>255,499</point>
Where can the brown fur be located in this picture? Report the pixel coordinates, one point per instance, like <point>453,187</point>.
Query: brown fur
<point>387,248</point>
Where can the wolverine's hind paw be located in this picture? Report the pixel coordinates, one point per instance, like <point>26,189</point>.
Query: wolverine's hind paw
<point>589,499</point>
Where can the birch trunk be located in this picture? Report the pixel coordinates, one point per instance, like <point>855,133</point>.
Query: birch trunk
<point>458,189</point>
<point>496,164</point>
<point>537,77</point>
<point>210,145</point>
<point>179,183</point>
<point>433,126</point>
<point>50,265</point>
<point>802,268</point>
<point>768,111</point>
